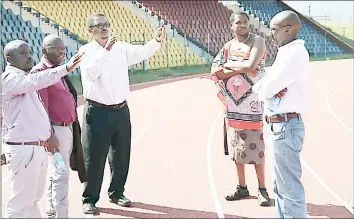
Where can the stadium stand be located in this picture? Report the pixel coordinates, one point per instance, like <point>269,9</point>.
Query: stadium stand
<point>194,19</point>
<point>127,26</point>
<point>316,42</point>
<point>197,19</point>
<point>13,27</point>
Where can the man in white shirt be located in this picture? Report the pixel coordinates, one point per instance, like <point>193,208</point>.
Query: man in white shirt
<point>105,80</point>
<point>26,130</point>
<point>285,93</point>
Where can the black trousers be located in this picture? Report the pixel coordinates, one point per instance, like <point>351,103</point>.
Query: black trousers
<point>102,128</point>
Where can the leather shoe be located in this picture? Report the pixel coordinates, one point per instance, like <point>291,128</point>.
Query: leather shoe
<point>121,201</point>
<point>89,208</point>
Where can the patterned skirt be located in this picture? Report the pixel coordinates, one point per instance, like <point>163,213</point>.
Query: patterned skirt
<point>244,146</point>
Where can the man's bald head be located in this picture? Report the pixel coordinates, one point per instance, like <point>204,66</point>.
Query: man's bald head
<point>19,55</point>
<point>53,49</point>
<point>287,18</point>
<point>285,26</point>
<point>51,40</point>
<point>12,47</point>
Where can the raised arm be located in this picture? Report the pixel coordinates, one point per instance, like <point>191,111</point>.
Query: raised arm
<point>14,84</point>
<point>18,83</point>
<point>139,53</point>
<point>258,51</point>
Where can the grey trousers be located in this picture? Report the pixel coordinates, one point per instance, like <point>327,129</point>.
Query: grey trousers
<point>58,184</point>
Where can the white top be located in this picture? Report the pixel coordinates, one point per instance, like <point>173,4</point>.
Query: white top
<point>104,73</point>
<point>290,70</point>
<point>25,118</point>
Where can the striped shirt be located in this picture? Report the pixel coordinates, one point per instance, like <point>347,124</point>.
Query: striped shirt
<point>24,117</point>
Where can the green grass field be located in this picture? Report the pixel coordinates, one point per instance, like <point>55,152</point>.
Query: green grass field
<point>344,30</point>
<point>152,75</point>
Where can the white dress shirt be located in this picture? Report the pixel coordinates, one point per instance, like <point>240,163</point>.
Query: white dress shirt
<point>104,73</point>
<point>290,70</point>
<point>25,119</point>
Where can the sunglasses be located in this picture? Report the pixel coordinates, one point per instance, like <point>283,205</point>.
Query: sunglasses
<point>101,26</point>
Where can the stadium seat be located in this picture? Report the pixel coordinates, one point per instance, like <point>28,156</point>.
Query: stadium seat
<point>14,28</point>
<point>127,26</point>
<point>201,20</point>
<point>266,9</point>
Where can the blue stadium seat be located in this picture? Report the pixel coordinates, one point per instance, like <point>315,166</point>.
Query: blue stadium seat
<point>266,9</point>
<point>14,27</point>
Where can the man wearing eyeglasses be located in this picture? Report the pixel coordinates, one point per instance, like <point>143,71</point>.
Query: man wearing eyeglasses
<point>105,80</point>
<point>284,130</point>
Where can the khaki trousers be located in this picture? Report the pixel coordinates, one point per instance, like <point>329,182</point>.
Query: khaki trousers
<point>27,171</point>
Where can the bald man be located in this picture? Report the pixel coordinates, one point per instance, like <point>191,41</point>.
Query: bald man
<point>26,131</point>
<point>60,102</point>
<point>284,131</point>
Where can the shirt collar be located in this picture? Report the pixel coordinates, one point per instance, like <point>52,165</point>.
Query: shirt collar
<point>294,42</point>
<point>46,62</point>
<point>96,44</point>
<point>13,69</point>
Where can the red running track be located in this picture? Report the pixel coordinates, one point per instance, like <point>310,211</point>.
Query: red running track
<point>178,169</point>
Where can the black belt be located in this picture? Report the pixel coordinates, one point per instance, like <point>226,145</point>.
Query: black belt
<point>36,143</point>
<point>61,123</point>
<point>114,107</point>
<point>284,117</point>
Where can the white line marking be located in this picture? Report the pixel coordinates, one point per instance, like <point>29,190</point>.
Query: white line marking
<point>332,112</point>
<point>210,170</point>
<point>346,205</point>
<point>106,180</point>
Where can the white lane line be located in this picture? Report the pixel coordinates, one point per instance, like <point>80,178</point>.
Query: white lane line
<point>106,180</point>
<point>346,205</point>
<point>326,187</point>
<point>210,169</point>
<point>333,113</point>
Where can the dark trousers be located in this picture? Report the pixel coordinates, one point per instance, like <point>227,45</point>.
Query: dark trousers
<point>103,128</point>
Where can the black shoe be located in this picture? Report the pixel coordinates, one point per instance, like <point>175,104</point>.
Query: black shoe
<point>89,208</point>
<point>263,197</point>
<point>121,201</point>
<point>239,194</point>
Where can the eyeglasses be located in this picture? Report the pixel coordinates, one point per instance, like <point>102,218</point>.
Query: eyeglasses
<point>101,26</point>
